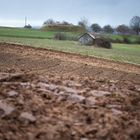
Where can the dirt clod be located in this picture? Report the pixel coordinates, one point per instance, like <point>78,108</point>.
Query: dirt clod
<point>12,93</point>
<point>27,116</point>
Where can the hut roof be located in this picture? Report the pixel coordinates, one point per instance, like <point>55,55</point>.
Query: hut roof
<point>92,36</point>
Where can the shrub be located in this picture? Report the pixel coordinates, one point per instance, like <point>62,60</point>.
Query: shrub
<point>126,40</point>
<point>63,28</point>
<point>138,41</point>
<point>118,41</point>
<point>60,36</point>
<point>115,40</point>
<point>103,43</point>
<point>72,38</point>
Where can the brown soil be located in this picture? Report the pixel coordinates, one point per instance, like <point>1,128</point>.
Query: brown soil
<point>50,95</point>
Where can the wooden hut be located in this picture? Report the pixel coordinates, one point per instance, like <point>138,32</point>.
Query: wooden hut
<point>87,39</point>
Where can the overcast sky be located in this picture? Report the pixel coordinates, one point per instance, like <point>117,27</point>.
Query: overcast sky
<point>113,12</point>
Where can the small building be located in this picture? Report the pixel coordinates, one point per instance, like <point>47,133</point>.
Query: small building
<point>87,39</point>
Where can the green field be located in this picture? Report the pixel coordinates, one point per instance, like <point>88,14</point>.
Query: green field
<point>131,39</point>
<point>30,33</point>
<point>25,33</point>
<point>119,52</point>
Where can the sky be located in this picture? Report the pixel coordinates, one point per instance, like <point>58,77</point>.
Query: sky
<point>103,12</point>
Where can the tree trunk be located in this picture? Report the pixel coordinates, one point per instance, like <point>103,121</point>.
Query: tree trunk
<point>137,32</point>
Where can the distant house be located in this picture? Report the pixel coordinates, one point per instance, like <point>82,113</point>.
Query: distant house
<point>28,26</point>
<point>87,39</point>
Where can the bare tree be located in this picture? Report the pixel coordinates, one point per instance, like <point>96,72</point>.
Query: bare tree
<point>135,24</point>
<point>83,22</point>
<point>49,22</point>
<point>66,23</point>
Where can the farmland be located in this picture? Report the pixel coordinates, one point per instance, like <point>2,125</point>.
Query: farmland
<point>129,53</point>
<point>29,33</point>
<point>24,33</point>
<point>52,89</point>
<point>130,39</point>
<point>53,95</point>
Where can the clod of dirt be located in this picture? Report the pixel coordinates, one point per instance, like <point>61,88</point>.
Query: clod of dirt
<point>25,116</point>
<point>25,84</point>
<point>91,101</point>
<point>50,87</point>
<point>5,109</point>
<point>69,90</point>
<point>11,77</point>
<point>12,93</point>
<point>76,98</point>
<point>84,139</point>
<point>97,93</point>
<point>116,112</point>
<point>71,83</point>
<point>113,106</point>
<point>137,88</point>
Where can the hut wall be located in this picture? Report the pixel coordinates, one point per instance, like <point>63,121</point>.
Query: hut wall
<point>86,40</point>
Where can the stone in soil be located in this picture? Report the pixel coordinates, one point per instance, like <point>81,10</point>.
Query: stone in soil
<point>12,93</point>
<point>25,116</point>
<point>91,101</point>
<point>76,98</point>
<point>5,109</point>
<point>69,90</point>
<point>50,87</point>
<point>97,93</point>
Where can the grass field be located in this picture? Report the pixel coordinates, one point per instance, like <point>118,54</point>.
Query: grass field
<point>131,39</point>
<point>30,33</point>
<point>120,52</point>
<point>25,33</point>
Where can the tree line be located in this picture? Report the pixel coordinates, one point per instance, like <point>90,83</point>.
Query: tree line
<point>133,28</point>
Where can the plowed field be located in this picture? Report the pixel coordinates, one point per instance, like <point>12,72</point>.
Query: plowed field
<point>50,95</point>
